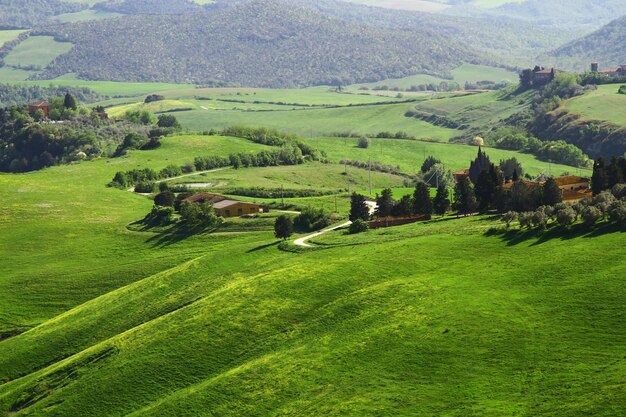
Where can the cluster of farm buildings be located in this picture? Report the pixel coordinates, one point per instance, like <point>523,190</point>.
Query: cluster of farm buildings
<point>225,207</point>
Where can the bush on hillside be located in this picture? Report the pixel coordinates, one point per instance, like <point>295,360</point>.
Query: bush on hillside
<point>358,226</point>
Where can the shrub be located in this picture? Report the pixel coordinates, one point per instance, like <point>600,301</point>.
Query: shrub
<point>617,211</point>
<point>539,219</point>
<point>622,90</point>
<point>311,220</point>
<point>591,215</point>
<point>198,215</point>
<point>358,226</point>
<point>509,218</point>
<point>363,143</point>
<point>165,199</point>
<point>159,216</point>
<point>525,219</point>
<point>566,216</point>
<point>145,187</point>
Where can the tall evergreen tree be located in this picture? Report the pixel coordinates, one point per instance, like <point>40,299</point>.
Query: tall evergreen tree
<point>70,102</point>
<point>358,207</point>
<point>422,204</point>
<point>551,193</point>
<point>404,207</point>
<point>441,203</point>
<point>429,163</point>
<point>486,185</point>
<point>481,163</point>
<point>464,197</point>
<point>600,178</point>
<point>385,203</point>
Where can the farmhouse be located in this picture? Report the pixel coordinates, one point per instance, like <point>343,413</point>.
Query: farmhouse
<point>224,206</point>
<point>545,75</point>
<point>459,175</point>
<point>612,72</point>
<point>573,188</point>
<point>41,105</point>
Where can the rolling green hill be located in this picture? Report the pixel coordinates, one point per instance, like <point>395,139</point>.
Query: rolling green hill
<point>434,318</point>
<point>603,104</point>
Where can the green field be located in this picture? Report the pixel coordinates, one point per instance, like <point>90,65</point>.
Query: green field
<point>84,15</point>
<point>440,318</point>
<point>602,104</point>
<point>37,51</point>
<point>9,35</point>
<point>465,73</point>
<point>409,155</point>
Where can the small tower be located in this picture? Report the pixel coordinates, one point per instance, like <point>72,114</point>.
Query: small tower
<point>595,67</point>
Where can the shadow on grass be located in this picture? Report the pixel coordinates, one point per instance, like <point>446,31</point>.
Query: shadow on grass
<point>515,237</point>
<point>269,245</point>
<point>169,235</point>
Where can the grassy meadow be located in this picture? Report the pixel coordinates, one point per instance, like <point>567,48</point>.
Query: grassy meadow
<point>37,51</point>
<point>603,104</point>
<point>402,321</point>
<point>409,154</point>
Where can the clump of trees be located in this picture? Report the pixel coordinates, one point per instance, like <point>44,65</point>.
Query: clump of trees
<point>606,176</point>
<point>311,219</point>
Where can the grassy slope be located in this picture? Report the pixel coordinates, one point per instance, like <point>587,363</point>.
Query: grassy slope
<point>9,35</point>
<point>603,104</point>
<point>83,231</point>
<point>345,331</point>
<point>409,155</point>
<point>466,72</point>
<point>37,50</point>
<point>110,88</point>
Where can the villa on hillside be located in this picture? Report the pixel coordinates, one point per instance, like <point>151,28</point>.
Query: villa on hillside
<point>573,188</point>
<point>612,72</point>
<point>545,75</point>
<point>224,206</point>
<point>40,105</point>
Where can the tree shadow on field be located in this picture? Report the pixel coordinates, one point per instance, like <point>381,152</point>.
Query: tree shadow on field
<point>515,237</point>
<point>258,248</point>
<point>177,233</point>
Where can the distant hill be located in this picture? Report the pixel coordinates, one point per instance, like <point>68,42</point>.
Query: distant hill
<point>607,46</point>
<point>28,13</point>
<point>262,43</point>
<point>565,13</point>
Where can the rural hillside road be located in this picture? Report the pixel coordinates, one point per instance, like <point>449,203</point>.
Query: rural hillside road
<point>302,241</point>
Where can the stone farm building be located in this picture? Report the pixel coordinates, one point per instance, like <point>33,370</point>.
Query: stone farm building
<point>545,75</point>
<point>41,105</point>
<point>612,72</point>
<point>224,206</point>
<point>573,188</point>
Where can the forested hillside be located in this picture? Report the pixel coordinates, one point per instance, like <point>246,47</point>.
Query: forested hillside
<point>607,46</point>
<point>263,43</point>
<point>27,13</point>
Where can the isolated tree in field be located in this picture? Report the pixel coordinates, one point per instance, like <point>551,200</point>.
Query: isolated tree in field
<point>600,178</point>
<point>358,207</point>
<point>385,203</point>
<point>363,143</point>
<point>283,227</point>
<point>70,102</point>
<point>422,204</point>
<point>429,163</point>
<point>552,194</point>
<point>464,197</point>
<point>441,202</point>
<point>168,121</point>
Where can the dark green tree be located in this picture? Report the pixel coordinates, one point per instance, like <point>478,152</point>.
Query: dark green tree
<point>283,227</point>
<point>552,194</point>
<point>600,177</point>
<point>165,199</point>
<point>464,197</point>
<point>429,163</point>
<point>441,203</point>
<point>422,204</point>
<point>481,163</point>
<point>358,207</point>
<point>70,102</point>
<point>404,207</point>
<point>385,203</point>
<point>168,121</point>
<point>614,172</point>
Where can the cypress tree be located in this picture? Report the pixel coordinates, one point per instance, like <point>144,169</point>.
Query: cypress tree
<point>441,203</point>
<point>615,174</point>
<point>70,102</point>
<point>481,163</point>
<point>600,178</point>
<point>385,203</point>
<point>358,207</point>
<point>464,197</point>
<point>422,204</point>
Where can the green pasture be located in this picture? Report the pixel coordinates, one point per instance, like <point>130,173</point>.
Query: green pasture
<point>37,51</point>
<point>84,15</point>
<point>465,73</point>
<point>603,104</point>
<point>409,155</point>
<point>9,35</point>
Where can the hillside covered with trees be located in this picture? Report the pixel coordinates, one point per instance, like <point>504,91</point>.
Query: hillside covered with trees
<point>607,46</point>
<point>27,13</point>
<point>262,43</point>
